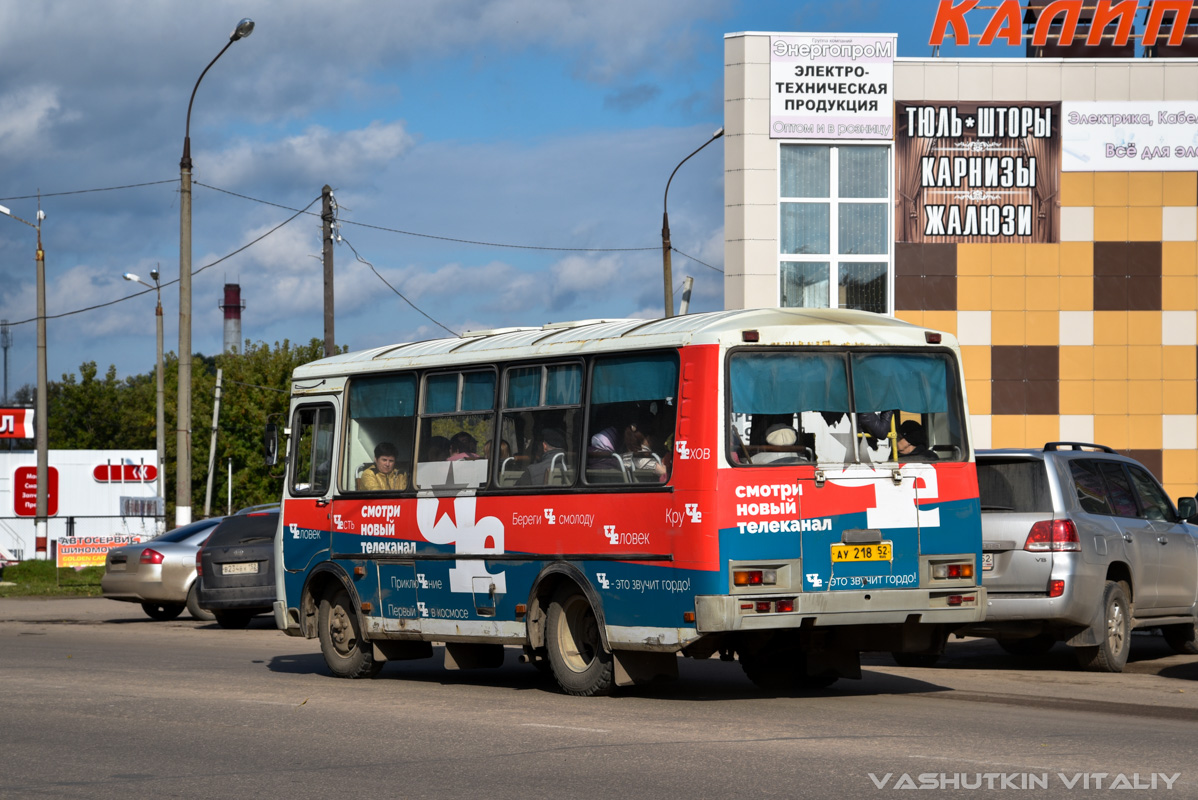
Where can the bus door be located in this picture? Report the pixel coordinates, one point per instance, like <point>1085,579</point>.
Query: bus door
<point>306,523</point>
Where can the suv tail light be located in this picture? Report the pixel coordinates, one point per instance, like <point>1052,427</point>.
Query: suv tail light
<point>1053,535</point>
<point>149,556</point>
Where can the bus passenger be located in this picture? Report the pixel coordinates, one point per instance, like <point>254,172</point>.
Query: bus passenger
<point>462,446</point>
<point>913,443</point>
<point>552,447</point>
<point>505,449</point>
<point>436,449</point>
<point>382,476</point>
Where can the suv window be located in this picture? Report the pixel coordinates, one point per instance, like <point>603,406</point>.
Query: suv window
<point>1091,491</point>
<point>1019,485</point>
<point>1120,493</point>
<point>1153,500</point>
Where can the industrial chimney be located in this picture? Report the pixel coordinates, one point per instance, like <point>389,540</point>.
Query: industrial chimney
<point>232,307</point>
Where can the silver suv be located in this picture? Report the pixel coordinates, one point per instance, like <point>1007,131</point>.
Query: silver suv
<point>1082,545</point>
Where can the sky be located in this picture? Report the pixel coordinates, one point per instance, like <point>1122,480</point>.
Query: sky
<point>498,162</point>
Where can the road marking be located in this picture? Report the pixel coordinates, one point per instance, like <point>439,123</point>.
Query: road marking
<point>565,727</point>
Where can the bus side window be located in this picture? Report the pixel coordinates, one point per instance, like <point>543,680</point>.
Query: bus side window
<point>312,460</point>
<point>382,417</point>
<point>457,417</point>
<point>541,425</point>
<point>630,431</point>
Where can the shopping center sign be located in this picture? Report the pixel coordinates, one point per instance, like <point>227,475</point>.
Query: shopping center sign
<point>1006,21</point>
<point>832,86</point>
<point>16,423</point>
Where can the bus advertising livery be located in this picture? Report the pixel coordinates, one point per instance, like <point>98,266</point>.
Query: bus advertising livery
<point>782,487</point>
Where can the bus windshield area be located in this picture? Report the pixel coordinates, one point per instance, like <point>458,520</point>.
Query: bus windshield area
<point>851,406</point>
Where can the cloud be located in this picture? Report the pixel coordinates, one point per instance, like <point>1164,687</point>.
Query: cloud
<point>25,114</point>
<point>318,154</point>
<point>632,97</point>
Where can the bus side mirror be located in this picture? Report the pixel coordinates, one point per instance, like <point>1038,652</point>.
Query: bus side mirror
<point>271,444</point>
<point>1187,508</point>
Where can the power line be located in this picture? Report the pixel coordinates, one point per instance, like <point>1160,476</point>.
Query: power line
<point>397,291</point>
<point>448,238</point>
<point>697,261</point>
<point>176,280</point>
<point>88,191</point>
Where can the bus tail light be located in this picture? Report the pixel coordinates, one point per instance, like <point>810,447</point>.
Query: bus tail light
<point>149,556</point>
<point>1056,588</point>
<point>1053,535</point>
<point>962,599</point>
<point>754,577</point>
<point>954,571</point>
<point>785,605</point>
<point>764,606</point>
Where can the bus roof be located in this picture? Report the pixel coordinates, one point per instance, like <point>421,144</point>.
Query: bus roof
<point>799,326</point>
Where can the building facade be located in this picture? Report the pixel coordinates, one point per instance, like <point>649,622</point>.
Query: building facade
<point>1045,211</point>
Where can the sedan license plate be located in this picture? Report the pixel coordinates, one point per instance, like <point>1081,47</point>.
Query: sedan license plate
<point>247,568</point>
<point>987,562</point>
<point>878,551</point>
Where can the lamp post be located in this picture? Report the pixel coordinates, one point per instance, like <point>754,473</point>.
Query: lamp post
<point>665,228</point>
<point>183,431</point>
<point>41,430</point>
<point>159,415</point>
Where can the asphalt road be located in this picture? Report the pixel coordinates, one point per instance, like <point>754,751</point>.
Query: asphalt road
<point>96,700</point>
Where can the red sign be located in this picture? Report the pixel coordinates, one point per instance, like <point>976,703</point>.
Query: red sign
<point>16,423</point>
<point>25,491</point>
<point>1006,21</point>
<point>125,473</point>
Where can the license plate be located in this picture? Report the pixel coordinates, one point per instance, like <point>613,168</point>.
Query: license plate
<point>247,568</point>
<point>878,551</point>
<point>987,561</point>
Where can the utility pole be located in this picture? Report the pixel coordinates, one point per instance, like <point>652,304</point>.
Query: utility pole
<point>326,217</point>
<point>5,342</point>
<point>212,447</point>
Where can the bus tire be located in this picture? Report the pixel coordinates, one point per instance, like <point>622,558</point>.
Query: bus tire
<point>1114,639</point>
<point>347,654</point>
<point>581,664</point>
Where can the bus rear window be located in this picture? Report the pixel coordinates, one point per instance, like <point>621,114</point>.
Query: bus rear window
<point>803,407</point>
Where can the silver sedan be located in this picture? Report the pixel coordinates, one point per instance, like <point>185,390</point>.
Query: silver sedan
<point>161,573</point>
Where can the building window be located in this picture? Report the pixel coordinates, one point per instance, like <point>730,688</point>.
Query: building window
<point>835,227</point>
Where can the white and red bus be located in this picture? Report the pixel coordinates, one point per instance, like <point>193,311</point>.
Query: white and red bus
<point>785,487</point>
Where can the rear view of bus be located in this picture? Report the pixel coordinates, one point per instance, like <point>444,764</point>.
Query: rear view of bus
<point>849,512</point>
<point>786,488</point>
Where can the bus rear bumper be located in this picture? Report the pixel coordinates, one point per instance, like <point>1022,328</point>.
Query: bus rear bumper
<point>719,613</point>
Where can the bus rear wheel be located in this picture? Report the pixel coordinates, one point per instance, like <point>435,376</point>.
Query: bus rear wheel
<point>345,651</point>
<point>580,662</point>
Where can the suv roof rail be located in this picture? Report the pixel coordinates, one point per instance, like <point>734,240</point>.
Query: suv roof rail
<point>1078,446</point>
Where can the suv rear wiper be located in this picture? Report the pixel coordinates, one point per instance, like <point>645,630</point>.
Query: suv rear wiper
<point>998,508</point>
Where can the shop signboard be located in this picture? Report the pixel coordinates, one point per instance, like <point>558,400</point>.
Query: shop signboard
<point>16,423</point>
<point>832,86</point>
<point>977,172</point>
<point>89,551</point>
<point>1090,24</point>
<point>25,491</point>
<point>1110,136</point>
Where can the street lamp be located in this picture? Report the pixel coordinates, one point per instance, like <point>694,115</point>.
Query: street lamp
<point>159,416</point>
<point>183,431</point>
<point>665,228</point>
<point>41,430</point>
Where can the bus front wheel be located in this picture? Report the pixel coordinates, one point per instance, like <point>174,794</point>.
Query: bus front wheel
<point>345,651</point>
<point>580,662</point>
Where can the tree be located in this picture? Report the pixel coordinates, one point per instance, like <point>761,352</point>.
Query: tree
<point>89,412</point>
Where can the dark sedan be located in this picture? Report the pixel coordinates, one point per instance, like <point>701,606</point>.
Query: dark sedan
<point>236,568</point>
